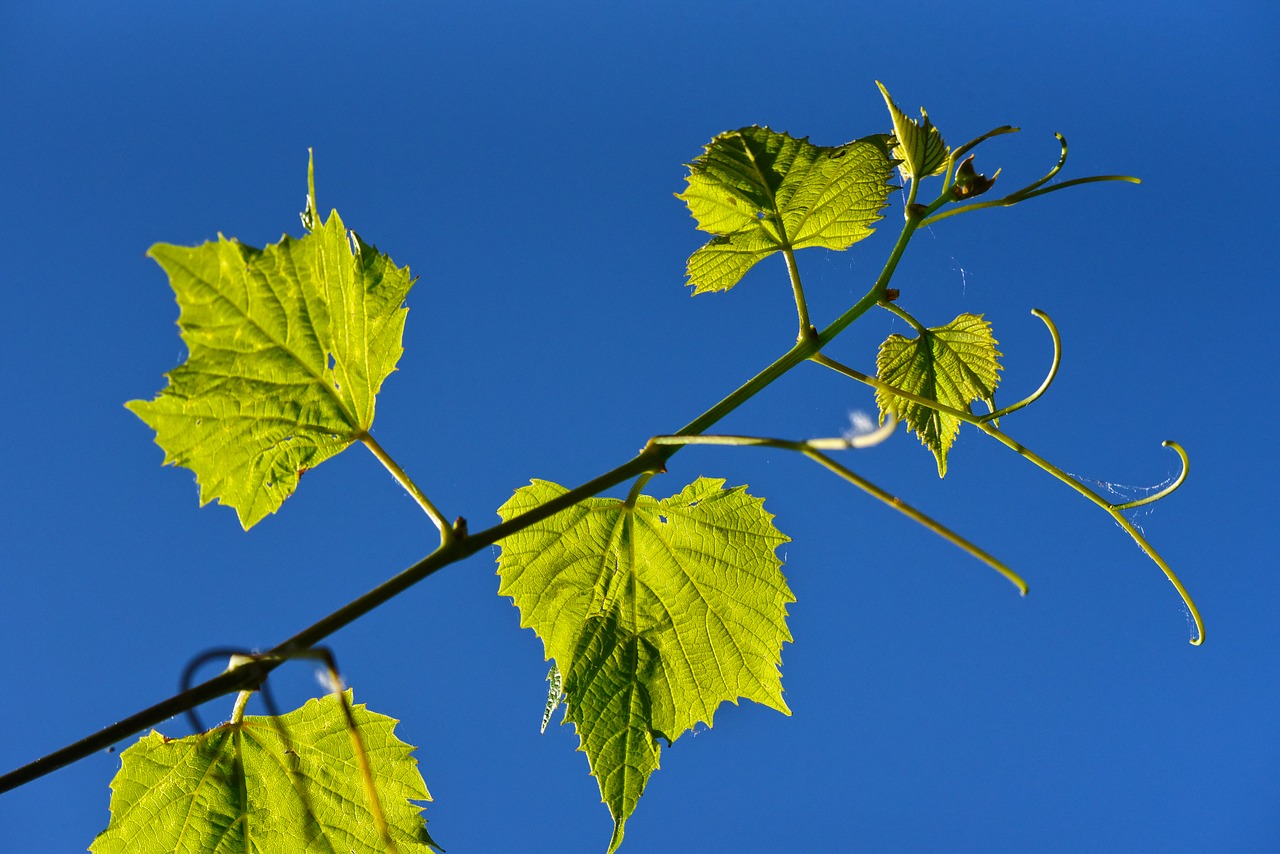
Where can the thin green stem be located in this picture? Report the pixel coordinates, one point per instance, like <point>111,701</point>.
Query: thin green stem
<point>237,711</point>
<point>456,545</point>
<point>914,217</point>
<point>810,450</point>
<point>914,514</point>
<point>802,309</point>
<point>1014,198</point>
<point>901,312</point>
<point>1113,510</point>
<point>797,290</point>
<point>636,489</point>
<point>441,523</point>
<point>810,344</point>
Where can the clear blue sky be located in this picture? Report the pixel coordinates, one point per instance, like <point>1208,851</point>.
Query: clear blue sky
<point>522,163</point>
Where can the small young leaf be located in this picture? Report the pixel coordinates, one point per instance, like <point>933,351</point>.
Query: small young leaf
<point>555,695</point>
<point>760,191</point>
<point>241,787</point>
<point>919,145</point>
<point>288,347</point>
<point>954,365</point>
<point>655,614</point>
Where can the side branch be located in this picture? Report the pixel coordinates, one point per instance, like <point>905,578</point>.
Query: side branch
<point>813,450</point>
<point>1112,510</point>
<point>456,544</point>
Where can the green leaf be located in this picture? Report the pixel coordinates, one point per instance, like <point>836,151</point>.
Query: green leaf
<point>288,347</point>
<point>242,787</point>
<point>918,144</point>
<point>655,614</point>
<point>954,365</point>
<point>760,191</point>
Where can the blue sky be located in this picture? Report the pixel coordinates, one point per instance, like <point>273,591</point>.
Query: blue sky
<point>522,163</point>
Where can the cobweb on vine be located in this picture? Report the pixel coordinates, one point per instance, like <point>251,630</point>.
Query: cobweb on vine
<point>1120,493</point>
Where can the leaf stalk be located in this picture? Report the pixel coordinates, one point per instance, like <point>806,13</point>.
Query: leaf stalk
<point>447,533</point>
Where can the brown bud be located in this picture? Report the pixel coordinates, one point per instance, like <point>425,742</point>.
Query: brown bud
<point>969,183</point>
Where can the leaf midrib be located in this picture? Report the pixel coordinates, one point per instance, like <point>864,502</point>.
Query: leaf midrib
<point>319,379</point>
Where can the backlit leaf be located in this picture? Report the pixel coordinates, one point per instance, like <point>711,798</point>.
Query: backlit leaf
<point>760,191</point>
<point>954,365</point>
<point>287,349</point>
<point>918,144</point>
<point>655,614</point>
<point>242,787</point>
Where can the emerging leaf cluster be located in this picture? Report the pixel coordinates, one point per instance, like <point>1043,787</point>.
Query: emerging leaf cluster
<point>760,191</point>
<point>655,613</point>
<point>917,145</point>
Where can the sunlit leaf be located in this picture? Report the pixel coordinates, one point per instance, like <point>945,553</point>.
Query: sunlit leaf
<point>918,144</point>
<point>287,349</point>
<point>655,614</point>
<point>954,365</point>
<point>267,785</point>
<point>760,191</point>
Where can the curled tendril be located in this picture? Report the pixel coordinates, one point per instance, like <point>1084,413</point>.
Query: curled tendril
<point>1035,188</point>
<point>1112,510</point>
<point>958,153</point>
<point>245,658</point>
<point>1048,380</point>
<point>1186,464</point>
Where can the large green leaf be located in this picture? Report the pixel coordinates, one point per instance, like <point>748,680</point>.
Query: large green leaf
<point>267,785</point>
<point>287,349</point>
<point>760,191</point>
<point>918,145</point>
<point>655,614</point>
<point>954,365</point>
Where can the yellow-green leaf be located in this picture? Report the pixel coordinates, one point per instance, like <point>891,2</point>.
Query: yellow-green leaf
<point>268,785</point>
<point>953,365</point>
<point>918,144</point>
<point>287,349</point>
<point>760,191</point>
<point>655,614</point>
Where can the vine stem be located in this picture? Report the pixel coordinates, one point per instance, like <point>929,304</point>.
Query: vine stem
<point>459,545</point>
<point>441,523</point>
<point>1115,511</point>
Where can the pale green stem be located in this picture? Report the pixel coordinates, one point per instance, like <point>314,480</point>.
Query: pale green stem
<point>914,217</point>
<point>1113,510</point>
<point>446,530</point>
<point>237,711</point>
<point>1035,188</point>
<point>797,290</point>
<point>810,451</point>
<point>905,315</point>
<point>456,546</point>
<point>1014,198</point>
<point>802,310</point>
<point>636,489</point>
